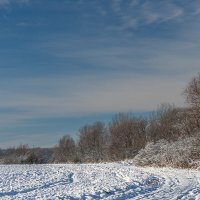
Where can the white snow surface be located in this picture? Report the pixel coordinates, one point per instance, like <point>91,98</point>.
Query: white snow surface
<point>97,181</point>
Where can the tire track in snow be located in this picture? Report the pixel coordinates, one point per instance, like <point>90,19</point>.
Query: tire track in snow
<point>98,181</point>
<point>179,185</point>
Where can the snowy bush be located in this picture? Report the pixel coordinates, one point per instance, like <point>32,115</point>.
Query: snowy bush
<point>183,153</point>
<point>25,155</point>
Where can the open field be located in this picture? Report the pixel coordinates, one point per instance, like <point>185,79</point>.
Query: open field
<point>97,181</point>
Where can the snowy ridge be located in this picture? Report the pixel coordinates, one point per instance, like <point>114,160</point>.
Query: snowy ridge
<point>97,181</point>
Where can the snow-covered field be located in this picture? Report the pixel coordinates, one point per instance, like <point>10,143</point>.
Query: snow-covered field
<point>97,181</point>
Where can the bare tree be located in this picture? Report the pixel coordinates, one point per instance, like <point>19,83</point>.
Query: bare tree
<point>65,151</point>
<point>192,93</point>
<point>92,142</point>
<point>22,149</point>
<point>166,123</point>
<point>127,136</point>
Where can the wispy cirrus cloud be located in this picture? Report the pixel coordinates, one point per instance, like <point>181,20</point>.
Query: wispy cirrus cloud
<point>136,13</point>
<point>151,56</point>
<point>92,93</point>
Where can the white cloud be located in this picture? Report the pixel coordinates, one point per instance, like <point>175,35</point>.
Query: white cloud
<point>5,3</point>
<point>160,12</point>
<point>147,12</point>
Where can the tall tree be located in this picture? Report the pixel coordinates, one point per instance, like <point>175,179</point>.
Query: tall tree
<point>92,142</point>
<point>165,123</point>
<point>192,93</point>
<point>65,151</point>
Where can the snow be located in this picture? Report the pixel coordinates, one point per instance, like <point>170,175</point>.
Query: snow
<point>97,181</point>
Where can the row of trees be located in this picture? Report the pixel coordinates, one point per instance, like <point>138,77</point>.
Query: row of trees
<point>124,136</point>
<point>121,139</point>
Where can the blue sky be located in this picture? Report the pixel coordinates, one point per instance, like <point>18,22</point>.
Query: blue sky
<point>70,62</point>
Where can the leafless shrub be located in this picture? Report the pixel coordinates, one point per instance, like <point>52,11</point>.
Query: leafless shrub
<point>169,123</point>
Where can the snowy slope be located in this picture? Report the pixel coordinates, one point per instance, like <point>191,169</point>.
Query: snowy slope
<point>97,181</point>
